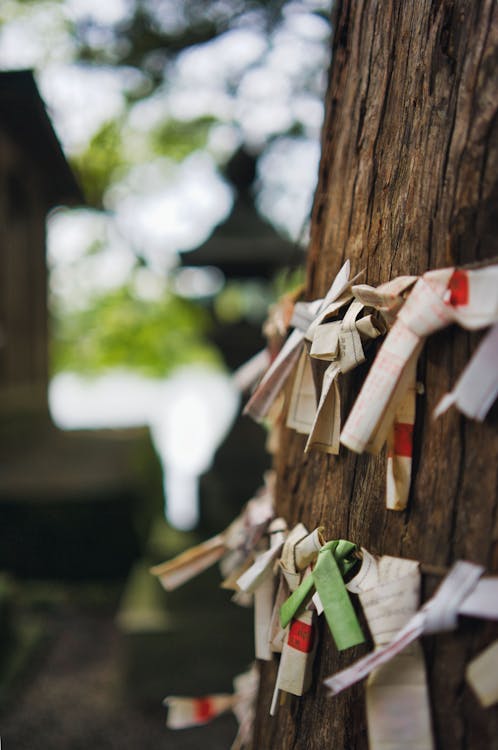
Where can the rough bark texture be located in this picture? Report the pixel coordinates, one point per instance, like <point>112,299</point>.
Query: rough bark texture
<point>408,182</point>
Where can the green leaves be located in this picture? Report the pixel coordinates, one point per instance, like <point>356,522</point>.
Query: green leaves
<point>179,139</point>
<point>120,329</point>
<point>98,164</point>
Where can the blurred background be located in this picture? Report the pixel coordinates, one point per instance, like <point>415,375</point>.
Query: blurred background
<point>157,166</point>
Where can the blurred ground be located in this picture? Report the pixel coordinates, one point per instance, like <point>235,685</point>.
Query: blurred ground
<point>73,696</point>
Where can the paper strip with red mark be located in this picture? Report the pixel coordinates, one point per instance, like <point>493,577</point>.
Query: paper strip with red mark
<point>191,712</point>
<point>296,663</point>
<point>438,299</point>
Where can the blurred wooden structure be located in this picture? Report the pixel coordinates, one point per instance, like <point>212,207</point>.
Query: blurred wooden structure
<point>34,178</point>
<point>69,502</point>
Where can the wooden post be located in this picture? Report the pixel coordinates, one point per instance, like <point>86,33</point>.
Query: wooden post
<point>408,182</point>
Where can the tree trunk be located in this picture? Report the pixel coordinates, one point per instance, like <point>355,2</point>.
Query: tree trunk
<point>408,182</point>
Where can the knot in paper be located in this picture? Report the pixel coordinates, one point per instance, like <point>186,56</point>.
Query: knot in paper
<point>424,312</point>
<point>441,612</point>
<point>335,559</point>
<point>305,316</point>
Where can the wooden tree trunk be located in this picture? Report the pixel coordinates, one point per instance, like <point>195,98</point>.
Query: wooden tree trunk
<point>408,182</point>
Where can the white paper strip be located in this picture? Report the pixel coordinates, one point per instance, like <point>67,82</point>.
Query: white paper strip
<point>398,711</point>
<point>482,675</point>
<point>251,371</point>
<point>439,614</point>
<point>304,313</point>
<point>477,387</point>
<point>469,298</point>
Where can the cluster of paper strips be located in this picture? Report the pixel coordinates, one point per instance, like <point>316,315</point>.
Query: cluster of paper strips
<point>294,576</point>
<point>338,328</point>
<point>397,701</point>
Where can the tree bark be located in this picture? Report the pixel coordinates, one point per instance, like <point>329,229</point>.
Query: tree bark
<point>408,182</point>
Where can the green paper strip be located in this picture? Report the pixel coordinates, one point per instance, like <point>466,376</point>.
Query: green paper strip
<point>335,559</point>
<point>337,608</point>
<point>296,600</point>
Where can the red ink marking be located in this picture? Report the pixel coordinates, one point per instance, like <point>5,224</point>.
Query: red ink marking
<point>301,636</point>
<point>458,287</point>
<point>203,709</point>
<point>403,439</point>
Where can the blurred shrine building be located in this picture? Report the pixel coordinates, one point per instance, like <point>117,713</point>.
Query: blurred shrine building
<point>71,503</point>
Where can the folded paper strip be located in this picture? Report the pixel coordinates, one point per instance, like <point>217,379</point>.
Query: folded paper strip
<point>460,593</point>
<point>397,702</point>
<point>335,559</point>
<point>186,712</point>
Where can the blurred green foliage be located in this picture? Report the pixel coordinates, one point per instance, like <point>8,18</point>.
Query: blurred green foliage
<point>99,163</point>
<point>179,139</point>
<point>120,329</point>
<point>106,156</point>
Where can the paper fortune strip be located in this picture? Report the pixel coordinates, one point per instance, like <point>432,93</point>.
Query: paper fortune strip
<point>482,675</point>
<point>305,313</point>
<point>334,560</point>
<point>240,537</point>
<point>439,298</point>
<point>385,407</point>
<point>190,563</point>
<point>341,343</point>
<point>191,712</point>
<point>296,663</point>
<point>398,712</point>
<point>251,371</point>
<point>258,579</point>
<point>460,593</point>
<point>296,640</point>
<point>186,712</point>
<point>298,550</point>
<point>477,387</point>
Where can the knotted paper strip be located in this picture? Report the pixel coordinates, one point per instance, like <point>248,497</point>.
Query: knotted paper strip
<point>460,593</point>
<point>302,404</point>
<point>290,576</point>
<point>190,563</point>
<point>400,445</point>
<point>248,374</point>
<point>339,342</point>
<point>398,711</point>
<point>439,298</point>
<point>276,376</point>
<point>296,663</point>
<point>258,579</point>
<point>477,387</point>
<point>388,299</point>
<point>192,712</point>
<point>246,689</point>
<point>297,639</point>
<point>482,675</point>
<point>334,560</point>
<point>189,712</point>
<point>240,538</point>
